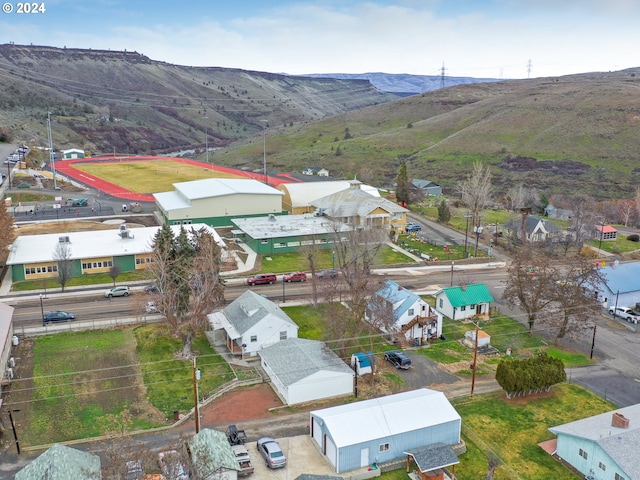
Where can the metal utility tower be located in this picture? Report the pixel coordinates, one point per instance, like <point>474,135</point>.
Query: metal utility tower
<point>442,73</point>
<point>52,154</point>
<point>529,65</point>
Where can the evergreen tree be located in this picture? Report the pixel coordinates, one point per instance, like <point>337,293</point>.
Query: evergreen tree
<point>402,185</point>
<point>444,214</point>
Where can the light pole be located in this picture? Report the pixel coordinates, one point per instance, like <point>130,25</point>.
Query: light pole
<point>42,307</point>
<point>13,427</point>
<point>264,148</point>
<point>466,234</point>
<point>452,264</point>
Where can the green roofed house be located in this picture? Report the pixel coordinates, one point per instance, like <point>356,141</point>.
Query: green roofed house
<point>464,301</point>
<point>212,456</point>
<point>62,463</point>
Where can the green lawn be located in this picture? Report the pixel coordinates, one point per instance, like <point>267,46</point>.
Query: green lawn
<point>621,245</point>
<point>84,280</point>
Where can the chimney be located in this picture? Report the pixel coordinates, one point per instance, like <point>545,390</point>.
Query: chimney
<point>399,287</point>
<point>463,287</point>
<point>619,420</point>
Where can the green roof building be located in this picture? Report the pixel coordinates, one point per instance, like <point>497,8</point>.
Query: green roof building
<point>464,301</point>
<point>62,463</point>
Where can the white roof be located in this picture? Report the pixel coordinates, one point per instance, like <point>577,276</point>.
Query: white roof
<point>288,226</point>
<point>302,194</point>
<point>94,244</point>
<point>219,187</point>
<point>171,201</point>
<point>381,417</point>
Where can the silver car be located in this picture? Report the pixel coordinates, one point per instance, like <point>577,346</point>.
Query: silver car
<point>272,453</point>
<point>117,292</point>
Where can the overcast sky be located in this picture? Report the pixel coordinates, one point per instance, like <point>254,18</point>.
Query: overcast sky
<point>473,38</point>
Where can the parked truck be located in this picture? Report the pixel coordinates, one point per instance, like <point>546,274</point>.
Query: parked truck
<point>244,461</point>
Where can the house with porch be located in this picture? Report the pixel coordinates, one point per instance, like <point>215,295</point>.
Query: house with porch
<point>250,323</point>
<point>395,310</point>
<point>535,229</point>
<point>464,301</point>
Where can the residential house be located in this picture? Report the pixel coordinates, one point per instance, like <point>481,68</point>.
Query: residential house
<point>250,323</point>
<point>7,361</point>
<point>605,233</point>
<point>427,187</point>
<point>558,213</point>
<point>620,286</point>
<point>384,429</point>
<point>603,446</point>
<point>298,196</point>
<point>319,171</point>
<point>212,456</point>
<point>395,310</point>
<point>304,370</point>
<point>358,209</point>
<point>215,201</point>
<point>464,301</point>
<point>62,462</point>
<point>536,229</point>
<point>288,233</point>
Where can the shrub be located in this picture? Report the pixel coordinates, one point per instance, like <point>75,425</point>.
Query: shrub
<point>634,237</point>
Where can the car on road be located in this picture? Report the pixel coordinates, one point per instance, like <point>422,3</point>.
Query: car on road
<point>77,202</point>
<point>295,277</point>
<point>172,466</point>
<point>413,227</point>
<point>153,288</point>
<point>624,312</point>
<point>117,292</point>
<point>57,316</point>
<point>398,359</point>
<point>262,279</point>
<point>330,273</point>
<point>151,307</point>
<point>273,455</point>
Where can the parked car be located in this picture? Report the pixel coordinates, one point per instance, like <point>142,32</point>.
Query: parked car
<point>57,316</point>
<point>77,202</point>
<point>153,288</point>
<point>172,466</point>
<point>398,359</point>
<point>624,312</point>
<point>117,292</point>
<point>413,227</point>
<point>330,273</point>
<point>295,277</point>
<point>151,307</point>
<point>262,278</point>
<point>244,460</point>
<point>273,455</point>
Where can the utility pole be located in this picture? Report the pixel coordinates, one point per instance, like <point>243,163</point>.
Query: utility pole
<point>13,427</point>
<point>593,340</point>
<point>474,365</point>
<point>196,378</point>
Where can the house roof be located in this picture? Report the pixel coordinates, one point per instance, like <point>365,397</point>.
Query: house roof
<point>401,298</point>
<point>211,452</point>
<point>186,192</point>
<point>302,194</point>
<point>288,226</point>
<point>92,244</point>
<point>62,463</point>
<point>621,444</point>
<point>623,278</point>
<point>433,457</point>
<point>381,417</point>
<point>363,358</point>
<point>468,294</point>
<point>531,223</point>
<point>419,183</point>
<point>354,202</point>
<point>249,309</point>
<point>605,229</point>
<point>294,359</point>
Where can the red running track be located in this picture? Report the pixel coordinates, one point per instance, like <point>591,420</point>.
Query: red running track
<point>66,167</point>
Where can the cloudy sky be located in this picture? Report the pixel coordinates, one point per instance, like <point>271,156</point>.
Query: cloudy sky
<point>476,38</point>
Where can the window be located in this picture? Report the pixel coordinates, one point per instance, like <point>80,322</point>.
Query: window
<point>280,245</point>
<point>410,312</point>
<point>283,335</point>
<point>383,447</point>
<point>472,307</point>
<point>602,466</point>
<point>264,241</point>
<point>441,303</point>
<point>254,338</point>
<point>583,454</point>
<point>618,477</point>
<point>293,244</point>
<point>463,308</point>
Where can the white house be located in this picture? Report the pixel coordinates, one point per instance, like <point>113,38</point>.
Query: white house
<point>394,309</point>
<point>382,429</point>
<point>250,323</point>
<point>304,370</point>
<point>464,301</point>
<point>212,456</point>
<point>604,446</point>
<point>536,229</point>
<point>319,171</point>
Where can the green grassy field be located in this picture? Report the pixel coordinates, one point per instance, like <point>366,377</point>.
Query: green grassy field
<point>150,176</point>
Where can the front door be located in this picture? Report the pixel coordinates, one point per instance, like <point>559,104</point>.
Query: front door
<point>364,457</point>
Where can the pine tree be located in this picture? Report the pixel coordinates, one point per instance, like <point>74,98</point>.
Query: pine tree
<point>402,185</point>
<point>444,214</point>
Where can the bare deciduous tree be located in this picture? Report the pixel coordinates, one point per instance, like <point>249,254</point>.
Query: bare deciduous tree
<point>62,255</point>
<point>113,273</point>
<point>583,219</point>
<point>476,190</point>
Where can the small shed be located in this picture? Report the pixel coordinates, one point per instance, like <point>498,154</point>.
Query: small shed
<point>72,153</point>
<point>382,429</point>
<point>484,339</point>
<point>432,460</point>
<point>212,456</point>
<point>361,362</point>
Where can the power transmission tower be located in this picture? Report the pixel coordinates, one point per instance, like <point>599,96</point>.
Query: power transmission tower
<point>529,65</point>
<point>442,73</point>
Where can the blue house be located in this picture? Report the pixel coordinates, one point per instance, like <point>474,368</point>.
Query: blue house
<point>383,429</point>
<point>604,446</point>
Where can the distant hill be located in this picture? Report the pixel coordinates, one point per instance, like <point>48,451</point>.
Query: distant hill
<point>568,134</point>
<point>404,84</point>
<point>122,101</point>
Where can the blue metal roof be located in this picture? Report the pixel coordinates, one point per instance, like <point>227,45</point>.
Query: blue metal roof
<point>623,278</point>
<point>394,294</point>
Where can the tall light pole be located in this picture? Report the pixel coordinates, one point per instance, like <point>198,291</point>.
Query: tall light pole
<point>264,148</point>
<point>52,154</point>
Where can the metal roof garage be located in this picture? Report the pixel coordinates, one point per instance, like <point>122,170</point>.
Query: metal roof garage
<point>382,429</point>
